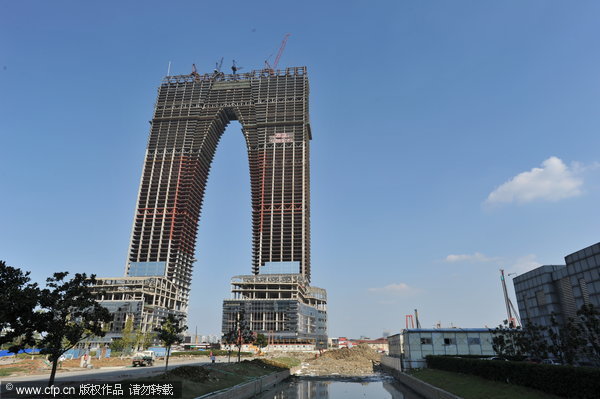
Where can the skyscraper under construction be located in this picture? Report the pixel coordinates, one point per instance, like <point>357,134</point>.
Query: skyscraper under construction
<point>190,116</point>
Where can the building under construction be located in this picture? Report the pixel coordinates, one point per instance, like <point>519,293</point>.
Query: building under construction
<point>281,305</point>
<point>191,113</point>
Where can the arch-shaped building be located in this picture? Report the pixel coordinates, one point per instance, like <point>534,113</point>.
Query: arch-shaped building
<point>191,114</point>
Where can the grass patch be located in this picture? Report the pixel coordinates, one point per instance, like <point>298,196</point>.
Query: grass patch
<point>287,362</point>
<point>472,387</point>
<point>199,380</point>
<point>29,355</point>
<point>10,370</point>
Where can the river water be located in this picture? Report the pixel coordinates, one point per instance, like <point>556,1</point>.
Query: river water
<point>378,386</point>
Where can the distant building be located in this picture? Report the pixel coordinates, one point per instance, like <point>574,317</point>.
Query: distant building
<point>413,345</point>
<point>559,289</point>
<point>379,344</point>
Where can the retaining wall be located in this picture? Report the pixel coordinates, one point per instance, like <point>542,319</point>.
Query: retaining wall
<point>248,389</point>
<point>392,366</point>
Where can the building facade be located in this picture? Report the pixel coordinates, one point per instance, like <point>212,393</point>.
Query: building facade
<point>282,306</point>
<point>413,345</point>
<point>559,289</point>
<point>190,115</point>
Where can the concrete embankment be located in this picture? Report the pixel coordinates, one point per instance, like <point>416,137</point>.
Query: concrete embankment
<point>392,366</point>
<point>249,389</point>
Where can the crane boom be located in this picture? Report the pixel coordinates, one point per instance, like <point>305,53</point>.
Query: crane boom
<point>512,321</point>
<point>268,66</point>
<point>280,52</point>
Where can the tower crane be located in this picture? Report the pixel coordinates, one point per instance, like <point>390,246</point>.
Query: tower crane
<point>268,66</point>
<point>235,68</point>
<point>218,66</point>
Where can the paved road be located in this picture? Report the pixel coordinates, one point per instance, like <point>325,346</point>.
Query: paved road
<point>96,375</point>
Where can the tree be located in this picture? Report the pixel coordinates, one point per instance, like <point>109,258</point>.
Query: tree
<point>239,334</point>
<point>566,340</point>
<point>117,345</point>
<point>261,341</point>
<point>532,341</point>
<point>588,318</point>
<point>170,333</point>
<point>143,339</point>
<point>521,341</point>
<point>18,301</point>
<point>128,336</point>
<point>504,341</point>
<point>69,313</point>
<point>229,338</point>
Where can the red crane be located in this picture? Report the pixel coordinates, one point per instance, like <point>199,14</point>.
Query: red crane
<point>270,68</point>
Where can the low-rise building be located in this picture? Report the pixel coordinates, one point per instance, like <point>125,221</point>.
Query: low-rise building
<point>413,345</point>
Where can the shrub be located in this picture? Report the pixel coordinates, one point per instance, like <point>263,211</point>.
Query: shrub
<point>567,381</point>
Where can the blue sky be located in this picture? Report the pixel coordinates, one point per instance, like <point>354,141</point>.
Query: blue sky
<point>449,139</point>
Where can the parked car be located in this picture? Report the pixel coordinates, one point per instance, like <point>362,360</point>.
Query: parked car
<point>551,362</point>
<point>498,358</point>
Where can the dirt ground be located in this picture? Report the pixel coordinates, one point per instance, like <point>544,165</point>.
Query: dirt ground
<point>105,362</point>
<point>24,366</point>
<point>357,361</point>
<point>40,365</point>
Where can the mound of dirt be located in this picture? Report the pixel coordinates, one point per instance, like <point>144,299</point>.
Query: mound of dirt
<point>191,373</point>
<point>357,361</point>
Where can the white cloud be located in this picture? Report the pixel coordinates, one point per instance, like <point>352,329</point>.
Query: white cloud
<point>476,257</point>
<point>396,289</point>
<point>552,182</point>
<point>524,264</point>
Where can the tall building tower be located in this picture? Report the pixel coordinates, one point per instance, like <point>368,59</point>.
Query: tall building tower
<point>191,113</point>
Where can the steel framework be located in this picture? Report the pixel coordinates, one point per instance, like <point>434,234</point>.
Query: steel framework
<point>191,114</point>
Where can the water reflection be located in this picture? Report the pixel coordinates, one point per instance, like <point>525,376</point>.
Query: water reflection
<point>323,388</point>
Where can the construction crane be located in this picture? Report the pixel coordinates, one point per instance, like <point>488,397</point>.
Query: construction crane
<point>194,71</point>
<point>218,66</point>
<point>417,319</point>
<point>510,309</point>
<point>268,66</point>
<point>235,68</point>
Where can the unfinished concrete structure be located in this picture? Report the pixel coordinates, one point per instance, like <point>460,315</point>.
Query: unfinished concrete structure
<point>282,306</point>
<point>191,114</point>
<point>148,300</point>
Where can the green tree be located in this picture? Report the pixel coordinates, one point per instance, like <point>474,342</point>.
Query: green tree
<point>143,340</point>
<point>532,341</point>
<point>566,340</point>
<point>69,313</point>
<point>18,301</point>
<point>128,336</point>
<point>169,333</point>
<point>229,338</point>
<point>149,339</point>
<point>504,340</point>
<point>239,334</point>
<point>261,341</point>
<point>588,318</point>
<point>117,345</point>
